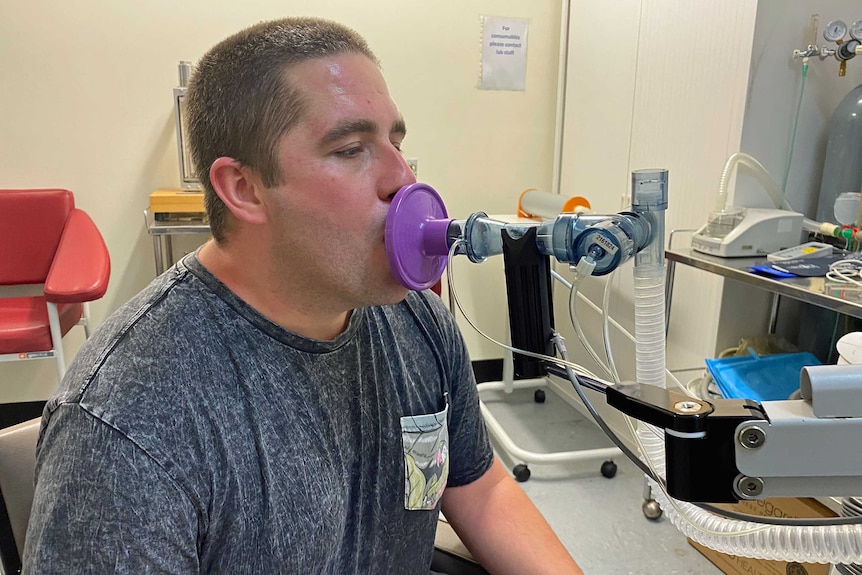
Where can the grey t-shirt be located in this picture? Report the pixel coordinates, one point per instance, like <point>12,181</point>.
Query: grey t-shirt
<point>193,435</point>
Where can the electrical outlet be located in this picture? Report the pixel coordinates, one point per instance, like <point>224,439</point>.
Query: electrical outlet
<point>414,165</point>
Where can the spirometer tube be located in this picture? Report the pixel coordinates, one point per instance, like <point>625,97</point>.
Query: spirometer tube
<point>649,199</point>
<point>483,236</point>
<point>568,238</point>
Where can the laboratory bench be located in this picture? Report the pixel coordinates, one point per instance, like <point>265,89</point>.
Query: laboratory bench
<point>842,298</point>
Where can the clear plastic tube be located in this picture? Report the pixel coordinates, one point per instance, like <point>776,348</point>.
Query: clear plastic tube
<point>649,197</point>
<point>583,270</point>
<point>606,336</point>
<point>769,184</point>
<point>568,237</point>
<point>813,226</point>
<point>831,230</point>
<point>649,324</point>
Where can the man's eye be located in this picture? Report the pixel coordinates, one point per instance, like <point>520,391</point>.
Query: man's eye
<point>397,146</point>
<point>349,152</point>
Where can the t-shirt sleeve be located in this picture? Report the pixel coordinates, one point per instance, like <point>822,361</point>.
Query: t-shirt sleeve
<point>102,505</point>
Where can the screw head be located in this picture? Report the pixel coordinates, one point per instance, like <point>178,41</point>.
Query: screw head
<point>749,487</point>
<point>688,406</point>
<point>751,437</point>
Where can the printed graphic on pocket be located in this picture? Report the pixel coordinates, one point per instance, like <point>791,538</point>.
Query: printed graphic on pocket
<point>425,439</point>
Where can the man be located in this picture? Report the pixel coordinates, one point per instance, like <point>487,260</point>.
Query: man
<point>277,402</point>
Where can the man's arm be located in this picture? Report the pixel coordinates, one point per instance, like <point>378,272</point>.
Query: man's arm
<point>102,506</point>
<point>503,529</point>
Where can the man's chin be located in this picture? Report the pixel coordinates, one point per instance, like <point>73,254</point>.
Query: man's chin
<point>392,291</point>
<point>394,294</point>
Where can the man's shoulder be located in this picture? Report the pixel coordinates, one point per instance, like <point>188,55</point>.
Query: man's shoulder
<point>151,341</point>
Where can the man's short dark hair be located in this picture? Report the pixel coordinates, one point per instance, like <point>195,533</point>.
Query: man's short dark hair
<point>240,101</point>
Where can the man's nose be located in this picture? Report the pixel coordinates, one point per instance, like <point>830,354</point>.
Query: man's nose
<point>399,175</point>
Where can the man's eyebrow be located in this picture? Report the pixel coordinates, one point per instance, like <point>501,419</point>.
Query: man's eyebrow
<point>347,128</point>
<point>361,126</point>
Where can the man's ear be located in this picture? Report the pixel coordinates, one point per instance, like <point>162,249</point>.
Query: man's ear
<point>239,189</point>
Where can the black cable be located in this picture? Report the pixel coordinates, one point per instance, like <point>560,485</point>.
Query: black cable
<point>576,383</point>
<point>587,382</point>
<point>784,521</point>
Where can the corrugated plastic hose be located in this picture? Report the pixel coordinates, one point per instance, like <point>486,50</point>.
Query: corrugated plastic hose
<point>819,544</point>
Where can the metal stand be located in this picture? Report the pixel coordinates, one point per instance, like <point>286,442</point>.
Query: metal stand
<point>521,470</point>
<point>162,232</point>
<point>651,509</point>
<point>530,327</point>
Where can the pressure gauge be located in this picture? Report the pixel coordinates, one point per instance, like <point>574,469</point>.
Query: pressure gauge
<point>835,31</point>
<point>856,30</point>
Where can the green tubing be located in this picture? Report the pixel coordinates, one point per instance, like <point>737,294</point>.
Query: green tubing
<point>793,133</point>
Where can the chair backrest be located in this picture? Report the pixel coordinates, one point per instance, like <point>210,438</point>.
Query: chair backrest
<point>31,223</point>
<point>17,472</point>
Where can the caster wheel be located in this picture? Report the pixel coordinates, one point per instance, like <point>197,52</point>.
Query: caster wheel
<point>521,472</point>
<point>652,510</point>
<point>539,396</point>
<point>609,468</point>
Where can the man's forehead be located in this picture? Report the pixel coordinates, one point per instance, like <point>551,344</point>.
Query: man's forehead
<point>342,94</point>
<point>336,74</point>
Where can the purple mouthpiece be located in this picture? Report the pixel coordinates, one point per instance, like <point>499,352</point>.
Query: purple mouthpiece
<point>415,236</point>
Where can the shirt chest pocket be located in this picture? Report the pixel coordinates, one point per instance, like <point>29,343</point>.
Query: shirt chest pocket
<point>425,440</point>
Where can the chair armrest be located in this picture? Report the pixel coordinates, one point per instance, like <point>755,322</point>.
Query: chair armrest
<point>81,266</point>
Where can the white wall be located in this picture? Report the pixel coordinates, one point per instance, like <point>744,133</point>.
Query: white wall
<point>655,84</point>
<point>86,103</point>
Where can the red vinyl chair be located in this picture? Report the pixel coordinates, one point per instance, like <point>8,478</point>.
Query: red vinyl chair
<point>48,244</point>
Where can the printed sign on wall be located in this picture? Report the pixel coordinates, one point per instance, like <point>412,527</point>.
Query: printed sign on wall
<point>504,53</point>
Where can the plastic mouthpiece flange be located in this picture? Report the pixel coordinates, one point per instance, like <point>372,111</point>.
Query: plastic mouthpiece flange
<point>415,236</point>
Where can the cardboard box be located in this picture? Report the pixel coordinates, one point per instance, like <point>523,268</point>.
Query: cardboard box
<point>777,507</point>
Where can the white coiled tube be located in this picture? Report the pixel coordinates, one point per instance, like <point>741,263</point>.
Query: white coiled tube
<point>763,176</point>
<point>649,323</point>
<point>816,544</point>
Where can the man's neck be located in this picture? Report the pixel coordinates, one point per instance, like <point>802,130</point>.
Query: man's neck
<point>252,279</point>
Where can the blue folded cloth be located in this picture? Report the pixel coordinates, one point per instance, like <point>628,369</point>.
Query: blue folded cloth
<point>759,377</point>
